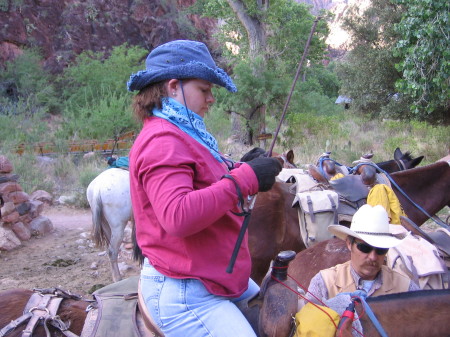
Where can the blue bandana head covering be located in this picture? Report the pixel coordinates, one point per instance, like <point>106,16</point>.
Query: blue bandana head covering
<point>180,59</point>
<point>188,121</point>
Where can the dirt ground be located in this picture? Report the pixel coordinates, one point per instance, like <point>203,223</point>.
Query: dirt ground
<point>65,258</point>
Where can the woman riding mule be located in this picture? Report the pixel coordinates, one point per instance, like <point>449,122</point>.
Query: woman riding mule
<point>185,197</point>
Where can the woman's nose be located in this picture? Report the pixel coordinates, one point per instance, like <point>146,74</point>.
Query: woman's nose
<point>210,98</point>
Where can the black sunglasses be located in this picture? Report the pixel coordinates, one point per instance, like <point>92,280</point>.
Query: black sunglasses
<point>366,249</point>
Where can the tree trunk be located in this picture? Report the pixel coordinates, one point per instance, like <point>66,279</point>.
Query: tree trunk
<point>257,39</point>
<point>254,27</point>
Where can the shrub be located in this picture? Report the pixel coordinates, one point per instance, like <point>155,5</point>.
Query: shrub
<point>24,80</point>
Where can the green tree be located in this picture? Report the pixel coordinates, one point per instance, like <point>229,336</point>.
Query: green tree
<point>265,43</point>
<point>27,96</point>
<point>91,73</point>
<point>25,80</point>
<point>424,49</point>
<point>95,91</point>
<point>368,74</point>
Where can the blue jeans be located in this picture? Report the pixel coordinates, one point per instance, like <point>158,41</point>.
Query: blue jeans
<point>186,308</point>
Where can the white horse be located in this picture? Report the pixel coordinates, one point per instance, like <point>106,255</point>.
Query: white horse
<point>110,201</point>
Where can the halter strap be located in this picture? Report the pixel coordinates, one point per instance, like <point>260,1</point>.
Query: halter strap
<point>401,165</point>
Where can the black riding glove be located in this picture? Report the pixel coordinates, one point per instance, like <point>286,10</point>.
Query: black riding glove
<point>266,169</point>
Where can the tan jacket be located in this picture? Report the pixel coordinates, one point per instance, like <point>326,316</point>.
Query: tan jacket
<point>338,279</point>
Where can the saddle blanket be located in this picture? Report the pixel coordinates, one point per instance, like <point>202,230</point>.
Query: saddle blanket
<point>419,257</point>
<point>287,173</point>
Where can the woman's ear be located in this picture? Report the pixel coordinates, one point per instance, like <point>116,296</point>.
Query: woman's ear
<point>172,87</point>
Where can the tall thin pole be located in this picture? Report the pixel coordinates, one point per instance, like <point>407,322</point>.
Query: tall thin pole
<point>288,100</point>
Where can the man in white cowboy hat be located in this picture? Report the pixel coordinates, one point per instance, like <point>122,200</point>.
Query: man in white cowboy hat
<point>368,240</point>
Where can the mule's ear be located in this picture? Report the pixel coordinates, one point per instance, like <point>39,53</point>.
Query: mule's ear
<point>290,156</point>
<point>416,161</point>
<point>398,154</point>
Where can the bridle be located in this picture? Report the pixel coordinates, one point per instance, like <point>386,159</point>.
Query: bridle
<point>401,165</point>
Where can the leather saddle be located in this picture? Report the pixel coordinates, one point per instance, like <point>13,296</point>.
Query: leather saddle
<point>325,169</point>
<point>350,187</point>
<point>351,190</point>
<point>315,172</point>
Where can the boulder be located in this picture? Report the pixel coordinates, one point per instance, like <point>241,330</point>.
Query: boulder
<point>8,208</point>
<point>9,186</point>
<point>11,217</point>
<point>40,225</point>
<point>21,231</point>
<point>8,240</point>
<point>17,197</point>
<point>23,208</point>
<point>36,208</point>
<point>42,196</point>
<point>5,165</point>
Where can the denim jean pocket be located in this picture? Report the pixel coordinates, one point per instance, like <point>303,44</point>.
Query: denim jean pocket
<point>151,287</point>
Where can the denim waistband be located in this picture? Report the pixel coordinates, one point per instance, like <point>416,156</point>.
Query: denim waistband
<point>146,263</point>
<point>148,269</point>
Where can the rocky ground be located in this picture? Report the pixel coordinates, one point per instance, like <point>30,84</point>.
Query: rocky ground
<point>65,258</point>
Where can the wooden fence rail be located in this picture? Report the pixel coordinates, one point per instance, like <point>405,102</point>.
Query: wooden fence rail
<point>123,142</point>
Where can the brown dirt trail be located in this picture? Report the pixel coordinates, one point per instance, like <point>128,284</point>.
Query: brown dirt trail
<point>65,258</point>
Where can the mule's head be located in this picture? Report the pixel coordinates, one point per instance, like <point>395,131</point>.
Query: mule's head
<point>288,159</point>
<point>406,159</point>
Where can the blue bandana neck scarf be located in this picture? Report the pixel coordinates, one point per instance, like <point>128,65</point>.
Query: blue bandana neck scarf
<point>178,114</point>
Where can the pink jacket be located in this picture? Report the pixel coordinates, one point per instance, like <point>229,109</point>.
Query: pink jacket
<point>182,208</point>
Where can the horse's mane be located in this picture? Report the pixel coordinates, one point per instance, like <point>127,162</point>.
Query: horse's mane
<point>409,295</point>
<point>407,156</point>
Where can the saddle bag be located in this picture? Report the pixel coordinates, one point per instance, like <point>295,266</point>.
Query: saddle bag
<point>116,311</point>
<point>316,211</point>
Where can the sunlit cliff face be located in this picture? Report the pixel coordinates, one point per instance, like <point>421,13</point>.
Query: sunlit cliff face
<point>338,37</point>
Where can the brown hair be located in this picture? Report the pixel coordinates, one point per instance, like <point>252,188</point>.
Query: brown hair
<point>147,99</point>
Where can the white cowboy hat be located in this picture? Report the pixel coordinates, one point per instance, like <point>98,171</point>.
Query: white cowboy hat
<point>370,224</point>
